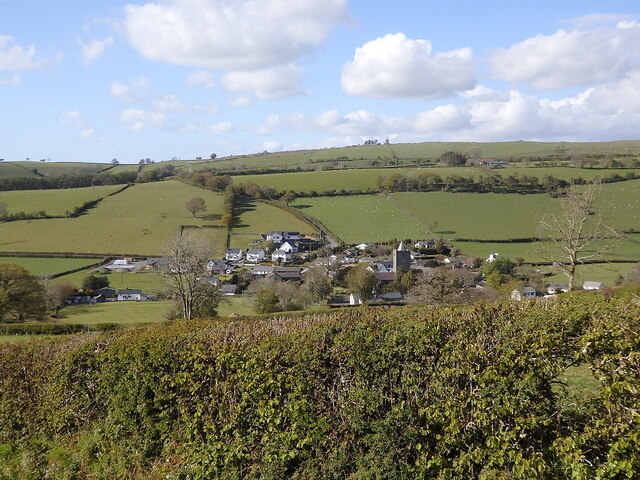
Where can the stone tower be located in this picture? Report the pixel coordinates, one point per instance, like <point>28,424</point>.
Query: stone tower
<point>401,259</point>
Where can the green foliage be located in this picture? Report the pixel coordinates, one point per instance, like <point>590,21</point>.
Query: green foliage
<point>453,159</point>
<point>397,393</point>
<point>361,281</point>
<point>22,297</point>
<point>94,282</point>
<point>266,301</point>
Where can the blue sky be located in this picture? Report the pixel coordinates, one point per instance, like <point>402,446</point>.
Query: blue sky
<point>92,81</point>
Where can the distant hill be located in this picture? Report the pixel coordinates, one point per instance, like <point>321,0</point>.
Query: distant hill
<point>357,156</point>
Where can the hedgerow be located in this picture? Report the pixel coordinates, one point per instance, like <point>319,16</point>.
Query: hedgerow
<point>410,392</point>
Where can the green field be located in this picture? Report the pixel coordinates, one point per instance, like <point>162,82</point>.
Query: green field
<point>121,313</point>
<point>54,169</point>
<point>53,202</point>
<point>607,273</point>
<point>256,218</point>
<point>137,221</point>
<point>41,266</point>
<point>12,170</point>
<point>364,178</point>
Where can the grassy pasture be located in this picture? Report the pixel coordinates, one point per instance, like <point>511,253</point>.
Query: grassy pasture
<point>47,266</point>
<point>13,170</point>
<point>509,149</point>
<point>137,221</point>
<point>53,202</point>
<point>427,150</point>
<point>121,313</point>
<point>53,169</point>
<point>606,273</point>
<point>365,178</point>
<point>410,215</point>
<point>257,217</point>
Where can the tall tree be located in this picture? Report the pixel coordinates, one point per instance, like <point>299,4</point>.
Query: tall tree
<point>186,256</point>
<point>195,205</point>
<point>361,281</point>
<point>22,297</point>
<point>576,233</point>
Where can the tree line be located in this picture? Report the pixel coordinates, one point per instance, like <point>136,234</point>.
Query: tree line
<point>66,181</point>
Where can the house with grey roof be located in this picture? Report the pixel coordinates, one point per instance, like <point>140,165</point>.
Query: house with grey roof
<point>131,294</point>
<point>254,255</point>
<point>233,254</point>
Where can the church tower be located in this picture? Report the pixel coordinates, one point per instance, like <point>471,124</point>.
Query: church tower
<point>401,259</point>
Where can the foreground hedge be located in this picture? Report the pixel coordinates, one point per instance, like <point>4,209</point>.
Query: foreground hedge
<point>364,393</point>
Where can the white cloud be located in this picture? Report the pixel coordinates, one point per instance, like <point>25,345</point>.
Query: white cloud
<point>221,128</point>
<point>616,97</point>
<point>272,146</point>
<point>597,19</point>
<point>140,119</point>
<point>242,101</point>
<point>442,118</point>
<point>95,49</point>
<point>201,79</point>
<point>75,120</point>
<point>396,66</point>
<point>135,91</point>
<point>231,35</point>
<point>169,104</point>
<point>14,58</point>
<point>569,59</point>
<point>270,84</point>
<point>12,81</point>
<point>87,133</point>
<point>72,118</point>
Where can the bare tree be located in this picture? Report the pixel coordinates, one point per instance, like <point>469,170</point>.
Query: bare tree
<point>195,205</point>
<point>576,233</point>
<point>186,256</point>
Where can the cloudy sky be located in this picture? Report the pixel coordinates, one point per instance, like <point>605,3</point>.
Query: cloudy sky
<point>91,81</point>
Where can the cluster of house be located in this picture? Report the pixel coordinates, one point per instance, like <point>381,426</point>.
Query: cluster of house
<point>290,246</point>
<point>528,292</point>
<point>287,245</point>
<point>109,294</point>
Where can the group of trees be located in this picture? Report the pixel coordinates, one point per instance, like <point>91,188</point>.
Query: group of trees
<point>271,295</point>
<point>66,181</point>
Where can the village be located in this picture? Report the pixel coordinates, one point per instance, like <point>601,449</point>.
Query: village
<point>292,258</point>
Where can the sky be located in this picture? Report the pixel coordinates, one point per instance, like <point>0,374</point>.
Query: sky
<point>92,81</point>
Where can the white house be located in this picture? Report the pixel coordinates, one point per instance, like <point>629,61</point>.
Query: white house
<point>123,264</point>
<point>255,255</point>
<point>592,286</point>
<point>130,294</point>
<point>557,288</point>
<point>233,254</point>
<point>280,236</point>
<point>261,270</point>
<point>290,246</point>
<point>523,293</point>
<point>281,256</point>
<point>363,246</point>
<point>354,299</point>
<point>425,244</point>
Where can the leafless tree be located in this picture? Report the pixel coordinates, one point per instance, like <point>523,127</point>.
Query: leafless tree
<point>576,233</point>
<point>195,205</point>
<point>186,256</point>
